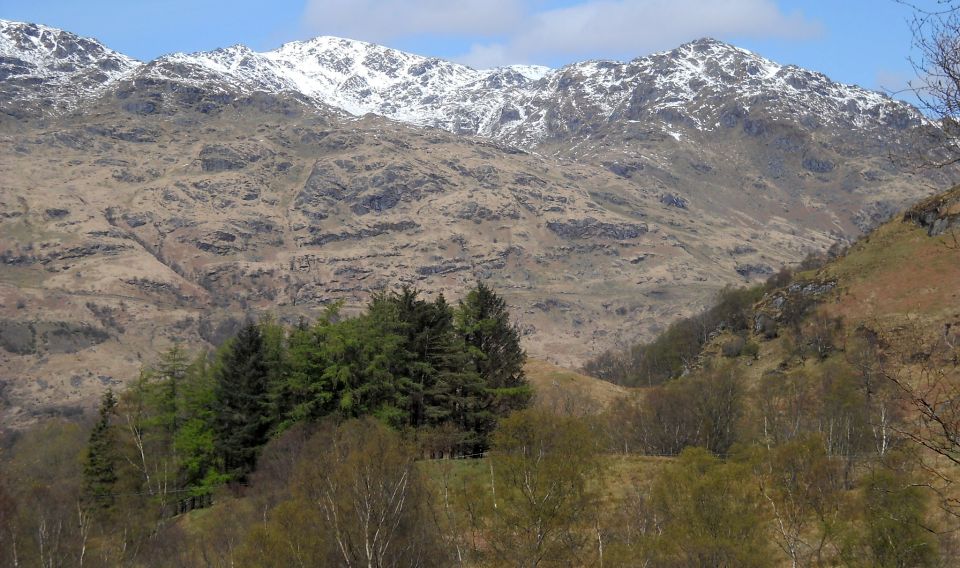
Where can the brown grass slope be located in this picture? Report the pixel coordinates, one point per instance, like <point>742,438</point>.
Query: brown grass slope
<point>569,392</point>
<point>897,289</point>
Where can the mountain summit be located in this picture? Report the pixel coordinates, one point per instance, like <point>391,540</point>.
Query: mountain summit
<point>44,69</point>
<point>52,70</point>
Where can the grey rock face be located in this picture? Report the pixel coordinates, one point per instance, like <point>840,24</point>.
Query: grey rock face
<point>937,214</point>
<point>219,158</point>
<point>592,228</point>
<point>364,233</point>
<point>23,338</point>
<point>672,200</point>
<point>817,165</point>
<point>751,270</point>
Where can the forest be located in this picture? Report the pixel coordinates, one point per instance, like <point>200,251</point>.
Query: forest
<point>410,436</point>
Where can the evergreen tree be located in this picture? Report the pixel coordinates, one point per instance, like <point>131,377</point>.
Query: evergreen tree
<point>303,393</point>
<point>427,341</point>
<point>195,440</point>
<point>242,408</point>
<point>494,347</point>
<point>170,373</point>
<point>100,468</point>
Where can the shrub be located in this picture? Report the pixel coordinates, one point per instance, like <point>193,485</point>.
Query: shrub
<point>733,347</point>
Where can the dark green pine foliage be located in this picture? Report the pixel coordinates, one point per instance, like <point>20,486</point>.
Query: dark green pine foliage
<point>426,337</point>
<point>304,393</point>
<point>451,389</point>
<point>460,397</point>
<point>434,379</point>
<point>100,468</point>
<point>242,407</point>
<point>493,344</point>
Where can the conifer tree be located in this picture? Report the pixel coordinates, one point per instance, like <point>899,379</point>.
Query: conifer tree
<point>494,346</point>
<point>171,372</point>
<point>242,421</point>
<point>100,468</point>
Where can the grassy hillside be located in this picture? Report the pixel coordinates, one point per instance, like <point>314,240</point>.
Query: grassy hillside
<point>569,392</point>
<point>899,284</point>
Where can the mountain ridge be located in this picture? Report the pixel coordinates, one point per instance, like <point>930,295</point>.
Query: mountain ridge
<point>604,199</point>
<point>358,77</point>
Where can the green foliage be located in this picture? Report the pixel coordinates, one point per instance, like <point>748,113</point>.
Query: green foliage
<point>410,362</point>
<point>191,426</point>
<point>242,417</point>
<point>194,441</point>
<point>100,469</point>
<point>895,516</point>
<point>493,346</point>
<point>711,514</point>
<point>676,349</point>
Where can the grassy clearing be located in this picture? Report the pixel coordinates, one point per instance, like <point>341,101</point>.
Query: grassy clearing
<point>562,389</point>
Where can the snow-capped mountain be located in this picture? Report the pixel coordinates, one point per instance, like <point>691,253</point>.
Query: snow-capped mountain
<point>45,68</point>
<point>358,78</point>
<point>526,105</point>
<point>701,86</point>
<point>704,85</point>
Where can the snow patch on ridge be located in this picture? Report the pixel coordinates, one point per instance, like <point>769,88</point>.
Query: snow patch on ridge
<point>687,88</point>
<point>40,62</point>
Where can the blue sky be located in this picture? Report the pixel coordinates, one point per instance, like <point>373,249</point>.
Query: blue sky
<point>866,42</point>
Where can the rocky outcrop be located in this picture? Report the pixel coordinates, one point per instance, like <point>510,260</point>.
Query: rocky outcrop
<point>787,306</point>
<point>937,214</point>
<point>222,157</point>
<point>592,228</point>
<point>28,338</point>
<point>751,270</point>
<point>364,233</point>
<point>673,200</point>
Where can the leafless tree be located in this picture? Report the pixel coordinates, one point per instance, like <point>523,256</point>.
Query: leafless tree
<point>936,62</point>
<point>370,495</point>
<point>928,380</point>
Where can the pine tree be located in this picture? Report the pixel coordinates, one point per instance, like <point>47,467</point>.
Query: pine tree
<point>242,421</point>
<point>494,347</point>
<point>100,468</point>
<point>195,439</point>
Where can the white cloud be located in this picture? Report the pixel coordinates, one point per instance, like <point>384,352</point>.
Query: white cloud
<point>526,31</point>
<point>384,20</point>
<point>895,82</point>
<point>484,56</point>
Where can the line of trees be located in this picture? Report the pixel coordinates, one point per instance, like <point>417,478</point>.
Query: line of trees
<point>677,349</point>
<point>443,375</point>
<point>357,493</point>
<point>805,464</point>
